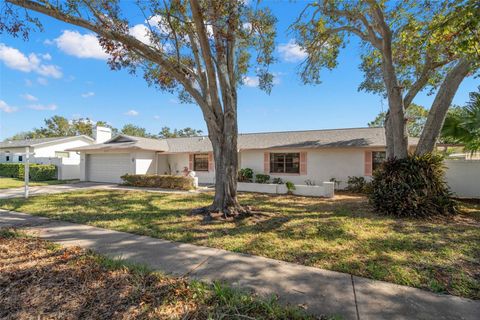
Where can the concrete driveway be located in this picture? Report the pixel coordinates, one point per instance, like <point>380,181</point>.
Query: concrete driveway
<point>19,192</point>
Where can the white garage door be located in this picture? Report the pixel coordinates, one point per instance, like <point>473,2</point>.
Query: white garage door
<point>107,167</point>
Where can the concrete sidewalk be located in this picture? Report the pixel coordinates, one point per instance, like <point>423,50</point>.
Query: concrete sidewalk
<point>319,291</point>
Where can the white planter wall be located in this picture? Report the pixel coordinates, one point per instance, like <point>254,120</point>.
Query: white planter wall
<point>325,190</point>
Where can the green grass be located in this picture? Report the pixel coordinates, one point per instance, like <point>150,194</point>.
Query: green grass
<point>7,183</point>
<point>342,234</point>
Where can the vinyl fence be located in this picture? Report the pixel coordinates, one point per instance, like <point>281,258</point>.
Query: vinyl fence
<point>463,177</point>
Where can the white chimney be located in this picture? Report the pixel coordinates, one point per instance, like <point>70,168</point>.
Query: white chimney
<point>102,134</point>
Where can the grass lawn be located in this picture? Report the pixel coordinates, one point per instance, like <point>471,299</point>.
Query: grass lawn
<point>7,183</point>
<point>40,280</point>
<point>340,234</point>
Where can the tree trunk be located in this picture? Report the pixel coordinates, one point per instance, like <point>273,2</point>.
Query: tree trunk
<point>389,136</point>
<point>440,105</point>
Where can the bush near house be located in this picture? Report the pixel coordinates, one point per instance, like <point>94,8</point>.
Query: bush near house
<point>245,175</point>
<point>39,172</point>
<point>262,178</point>
<point>412,187</point>
<point>158,181</point>
<point>9,170</point>
<point>357,184</point>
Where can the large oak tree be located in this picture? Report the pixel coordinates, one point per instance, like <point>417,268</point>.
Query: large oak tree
<point>201,49</point>
<point>408,47</point>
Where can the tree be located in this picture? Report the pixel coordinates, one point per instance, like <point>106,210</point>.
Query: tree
<point>200,49</point>
<point>415,115</point>
<point>462,124</point>
<point>136,131</point>
<point>166,132</point>
<point>409,46</point>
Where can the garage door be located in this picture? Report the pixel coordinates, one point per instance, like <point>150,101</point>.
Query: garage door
<point>107,167</point>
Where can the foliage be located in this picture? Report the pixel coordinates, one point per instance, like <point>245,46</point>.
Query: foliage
<point>58,126</point>
<point>245,175</point>
<point>262,178</point>
<point>277,181</point>
<point>158,181</point>
<point>290,186</point>
<point>309,182</point>
<point>166,132</point>
<point>411,187</point>
<point>39,172</point>
<point>10,170</point>
<point>415,115</point>
<point>136,131</point>
<point>462,124</point>
<point>357,184</point>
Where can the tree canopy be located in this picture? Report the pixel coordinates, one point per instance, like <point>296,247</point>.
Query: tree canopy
<point>416,116</point>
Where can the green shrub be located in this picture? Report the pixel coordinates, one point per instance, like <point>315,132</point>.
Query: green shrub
<point>277,181</point>
<point>10,170</point>
<point>245,175</point>
<point>39,172</point>
<point>158,181</point>
<point>411,187</point>
<point>262,178</point>
<point>357,184</point>
<point>290,186</point>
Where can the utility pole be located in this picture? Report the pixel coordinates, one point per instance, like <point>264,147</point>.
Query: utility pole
<point>27,171</point>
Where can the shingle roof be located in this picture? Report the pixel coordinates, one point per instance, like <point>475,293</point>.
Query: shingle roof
<point>332,138</point>
<point>33,142</point>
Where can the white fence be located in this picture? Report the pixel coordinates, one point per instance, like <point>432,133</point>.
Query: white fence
<point>463,177</point>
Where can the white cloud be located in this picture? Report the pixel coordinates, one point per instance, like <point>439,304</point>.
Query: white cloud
<point>42,107</point>
<point>291,52</point>
<point>15,59</point>
<point>156,117</point>
<point>88,94</point>
<point>141,32</point>
<point>7,108</point>
<point>29,97</point>
<point>251,81</point>
<point>42,81</point>
<point>131,113</point>
<point>46,56</point>
<point>80,45</point>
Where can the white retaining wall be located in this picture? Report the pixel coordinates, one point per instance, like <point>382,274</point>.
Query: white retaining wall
<point>463,177</point>
<point>324,190</point>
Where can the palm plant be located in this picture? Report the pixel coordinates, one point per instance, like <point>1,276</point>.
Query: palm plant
<point>462,124</point>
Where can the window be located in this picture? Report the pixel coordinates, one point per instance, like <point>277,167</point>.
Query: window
<point>200,162</point>
<point>7,158</point>
<point>20,158</point>
<point>62,154</point>
<point>284,162</point>
<point>377,158</point>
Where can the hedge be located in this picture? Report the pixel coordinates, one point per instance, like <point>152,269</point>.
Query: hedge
<point>158,181</point>
<point>38,172</point>
<point>10,170</point>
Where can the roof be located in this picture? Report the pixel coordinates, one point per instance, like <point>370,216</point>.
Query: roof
<point>331,138</point>
<point>36,142</point>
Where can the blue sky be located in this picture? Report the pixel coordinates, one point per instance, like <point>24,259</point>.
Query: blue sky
<point>61,71</point>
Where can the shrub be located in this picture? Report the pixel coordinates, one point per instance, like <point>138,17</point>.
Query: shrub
<point>411,187</point>
<point>245,175</point>
<point>262,178</point>
<point>357,184</point>
<point>309,182</point>
<point>10,170</point>
<point>277,181</point>
<point>158,181</point>
<point>39,172</point>
<point>290,186</point>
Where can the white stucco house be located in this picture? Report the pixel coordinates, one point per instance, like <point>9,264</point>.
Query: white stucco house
<point>297,156</point>
<point>52,151</point>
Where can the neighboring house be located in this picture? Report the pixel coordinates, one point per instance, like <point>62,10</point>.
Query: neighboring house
<point>297,156</point>
<point>52,151</point>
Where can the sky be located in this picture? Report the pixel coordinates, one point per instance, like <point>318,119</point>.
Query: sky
<point>63,71</point>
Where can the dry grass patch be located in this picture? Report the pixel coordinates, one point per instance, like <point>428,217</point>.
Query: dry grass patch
<point>341,234</point>
<point>39,280</point>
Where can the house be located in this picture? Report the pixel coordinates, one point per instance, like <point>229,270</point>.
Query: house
<point>297,156</point>
<point>52,151</point>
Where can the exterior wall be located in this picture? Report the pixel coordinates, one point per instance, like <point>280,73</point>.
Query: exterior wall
<point>463,177</point>
<point>174,164</point>
<point>322,164</point>
<point>162,164</point>
<point>11,153</point>
<point>49,150</point>
<point>145,162</point>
